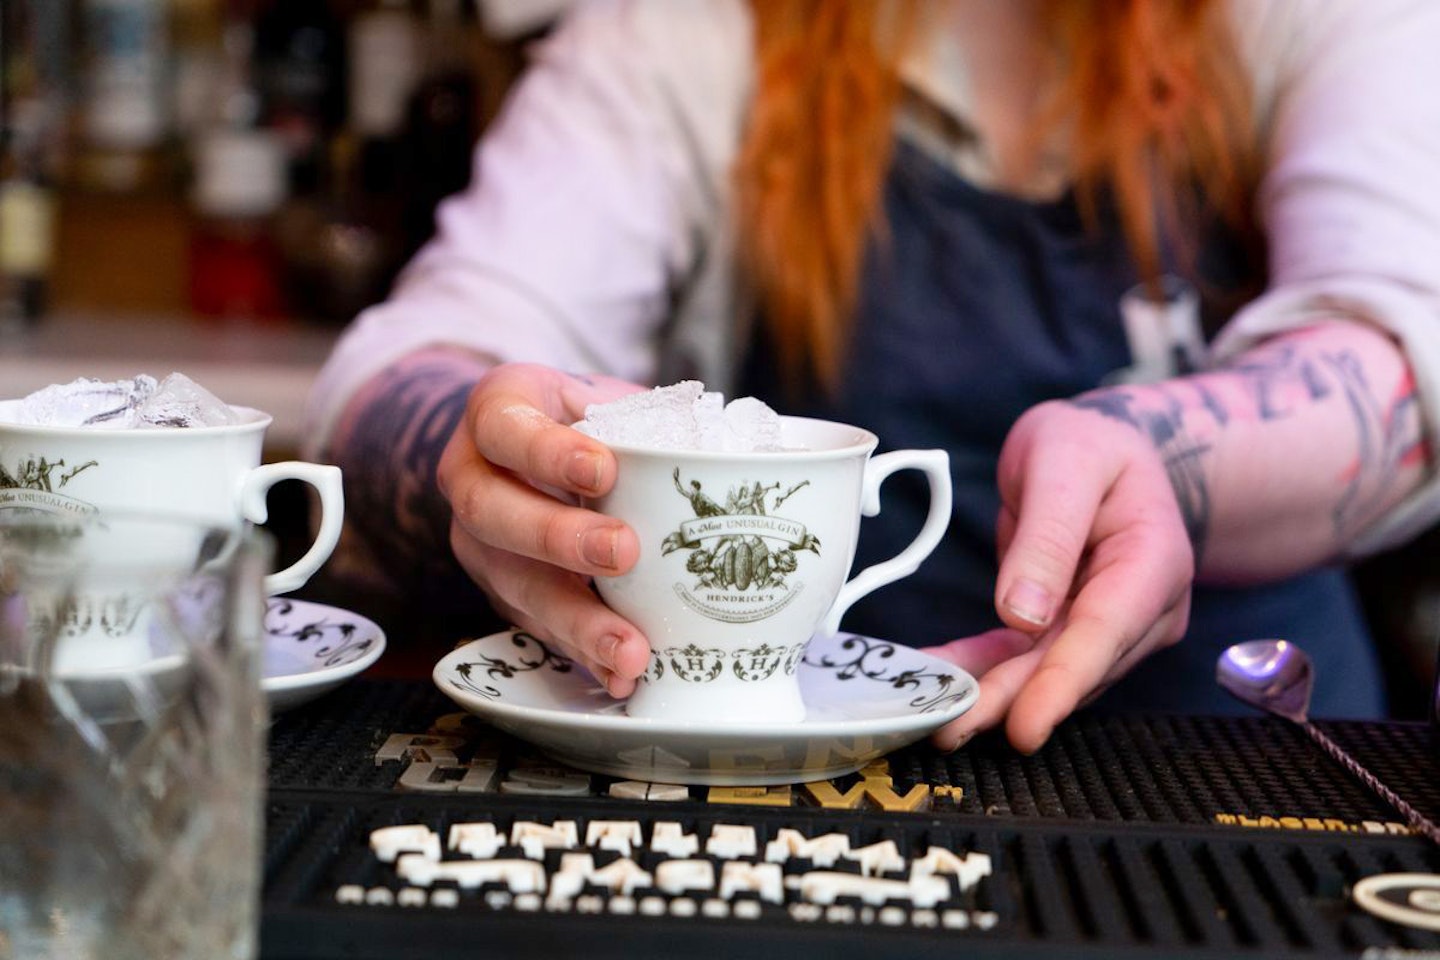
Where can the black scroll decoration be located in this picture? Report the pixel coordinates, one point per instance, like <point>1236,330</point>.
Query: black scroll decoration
<point>531,654</point>
<point>864,659</point>
<point>338,641</point>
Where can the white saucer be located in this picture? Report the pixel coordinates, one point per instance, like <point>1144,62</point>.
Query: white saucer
<point>864,698</point>
<point>311,648</point>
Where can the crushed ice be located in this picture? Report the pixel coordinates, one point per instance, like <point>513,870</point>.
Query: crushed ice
<point>685,416</point>
<point>176,401</point>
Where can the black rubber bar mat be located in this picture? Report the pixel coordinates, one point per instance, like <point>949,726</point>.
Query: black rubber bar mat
<point>1153,836</point>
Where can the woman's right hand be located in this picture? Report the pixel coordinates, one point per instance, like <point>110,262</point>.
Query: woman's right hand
<point>512,472</point>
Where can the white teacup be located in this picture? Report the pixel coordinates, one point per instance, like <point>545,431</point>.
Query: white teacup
<point>105,596</point>
<point>211,474</point>
<point>744,557</point>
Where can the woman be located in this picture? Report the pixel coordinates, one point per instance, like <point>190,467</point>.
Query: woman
<point>922,218</point>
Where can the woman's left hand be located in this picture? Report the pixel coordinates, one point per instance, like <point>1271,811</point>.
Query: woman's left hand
<point>1095,572</point>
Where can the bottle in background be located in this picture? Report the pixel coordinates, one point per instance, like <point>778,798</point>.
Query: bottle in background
<point>198,64</point>
<point>300,64</point>
<point>32,41</point>
<point>342,243</point>
<point>124,113</point>
<point>385,66</point>
<point>442,121</point>
<point>240,185</point>
<point>27,242</point>
<point>336,259</point>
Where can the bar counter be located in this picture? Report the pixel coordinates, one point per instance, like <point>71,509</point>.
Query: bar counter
<point>1141,836</point>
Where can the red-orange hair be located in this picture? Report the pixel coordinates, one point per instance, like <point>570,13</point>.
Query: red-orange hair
<point>1149,93</point>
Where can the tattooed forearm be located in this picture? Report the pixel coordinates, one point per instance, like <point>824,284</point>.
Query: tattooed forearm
<point>1322,388</point>
<point>1161,417</point>
<point>1279,379</point>
<point>389,460</point>
<point>1213,404</point>
<point>1387,433</point>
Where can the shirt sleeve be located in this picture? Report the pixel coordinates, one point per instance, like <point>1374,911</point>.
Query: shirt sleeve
<point>1350,201</point>
<point>586,205</point>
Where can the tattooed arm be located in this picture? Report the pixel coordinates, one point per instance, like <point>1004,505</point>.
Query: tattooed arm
<point>1115,502</point>
<point>1282,457</point>
<point>387,444</point>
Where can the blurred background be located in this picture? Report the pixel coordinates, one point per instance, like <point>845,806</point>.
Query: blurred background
<point>217,186</point>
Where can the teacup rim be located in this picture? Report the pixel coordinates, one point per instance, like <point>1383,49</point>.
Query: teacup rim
<point>252,418</point>
<point>864,442</point>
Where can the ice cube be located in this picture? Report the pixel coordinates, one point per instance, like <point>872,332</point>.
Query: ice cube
<point>86,402</point>
<point>663,417</point>
<point>685,416</point>
<point>178,401</point>
<point>750,425</point>
<point>710,420</point>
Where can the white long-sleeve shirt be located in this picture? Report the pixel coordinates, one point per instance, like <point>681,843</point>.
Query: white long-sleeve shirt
<point>595,235</point>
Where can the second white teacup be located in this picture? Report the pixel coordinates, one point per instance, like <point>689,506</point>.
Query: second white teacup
<point>745,556</point>
<point>211,474</point>
<point>104,596</point>
<point>207,474</point>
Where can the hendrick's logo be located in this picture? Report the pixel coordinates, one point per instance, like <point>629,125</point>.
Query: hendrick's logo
<point>744,556</point>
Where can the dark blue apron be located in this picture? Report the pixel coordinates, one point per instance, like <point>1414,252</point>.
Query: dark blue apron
<point>975,307</point>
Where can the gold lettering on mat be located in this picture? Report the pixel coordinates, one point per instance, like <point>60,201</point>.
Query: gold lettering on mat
<point>455,755</point>
<point>876,785</point>
<point>876,790</point>
<point>778,795</point>
<point>1324,824</point>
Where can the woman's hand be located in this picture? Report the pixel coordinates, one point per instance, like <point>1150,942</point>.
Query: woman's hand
<point>511,472</point>
<point>1262,467</point>
<point>1095,572</point>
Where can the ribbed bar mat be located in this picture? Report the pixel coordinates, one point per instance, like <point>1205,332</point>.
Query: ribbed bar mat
<point>1160,769</point>
<point>1124,836</point>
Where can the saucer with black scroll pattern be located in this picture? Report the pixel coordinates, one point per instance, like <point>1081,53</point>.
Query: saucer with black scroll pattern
<point>864,698</point>
<point>312,648</point>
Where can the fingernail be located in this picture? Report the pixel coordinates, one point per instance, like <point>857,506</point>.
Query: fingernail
<point>1029,601</point>
<point>960,741</point>
<point>583,471</point>
<point>605,649</point>
<point>603,677</point>
<point>598,546</point>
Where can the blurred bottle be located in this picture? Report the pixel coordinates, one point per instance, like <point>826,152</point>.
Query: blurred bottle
<point>385,66</point>
<point>124,113</point>
<point>27,242</point>
<point>197,30</point>
<point>342,244</point>
<point>240,185</point>
<point>442,121</point>
<point>300,69</point>
<point>32,40</point>
<point>238,172</point>
<point>336,257</point>
<point>236,101</point>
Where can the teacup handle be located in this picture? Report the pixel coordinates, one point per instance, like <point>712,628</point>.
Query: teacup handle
<point>936,466</point>
<point>326,481</point>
